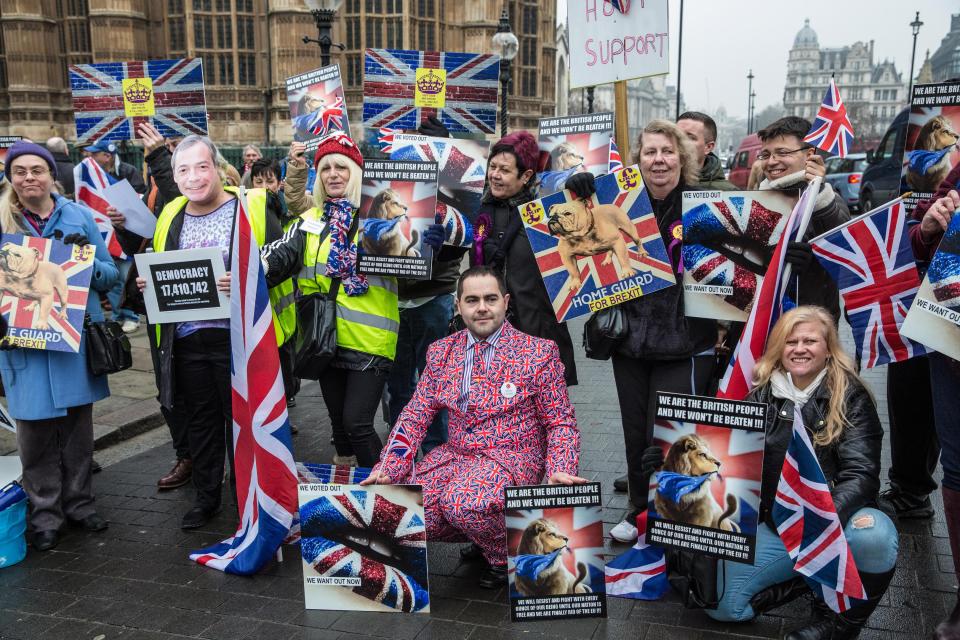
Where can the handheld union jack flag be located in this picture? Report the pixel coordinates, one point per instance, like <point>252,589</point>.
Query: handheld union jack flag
<point>831,130</point>
<point>402,88</point>
<point>263,457</point>
<point>809,527</point>
<point>616,162</point>
<point>90,181</point>
<point>871,259</point>
<point>109,102</point>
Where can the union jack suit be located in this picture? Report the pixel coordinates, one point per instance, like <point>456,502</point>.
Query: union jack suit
<point>497,442</point>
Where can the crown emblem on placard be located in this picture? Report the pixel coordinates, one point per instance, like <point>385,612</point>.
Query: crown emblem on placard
<point>137,92</point>
<point>430,84</point>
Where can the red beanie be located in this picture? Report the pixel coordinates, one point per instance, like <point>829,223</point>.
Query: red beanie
<point>523,145</point>
<point>338,143</point>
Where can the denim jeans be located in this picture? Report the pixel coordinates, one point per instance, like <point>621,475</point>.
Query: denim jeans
<point>116,293</point>
<point>944,383</point>
<point>419,328</point>
<point>873,544</point>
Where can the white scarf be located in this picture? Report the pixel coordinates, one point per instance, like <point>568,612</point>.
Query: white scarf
<point>781,385</point>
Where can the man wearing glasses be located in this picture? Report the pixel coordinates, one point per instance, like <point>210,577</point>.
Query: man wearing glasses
<point>789,164</point>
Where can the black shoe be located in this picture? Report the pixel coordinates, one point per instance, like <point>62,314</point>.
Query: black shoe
<point>95,467</point>
<point>906,505</point>
<point>93,522</point>
<point>827,625</point>
<point>472,553</point>
<point>493,577</point>
<point>779,594</point>
<point>198,516</point>
<point>45,540</point>
<point>620,484</point>
<point>291,402</point>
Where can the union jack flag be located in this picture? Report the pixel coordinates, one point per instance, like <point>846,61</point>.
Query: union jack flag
<point>65,320</point>
<point>263,457</point>
<point>615,162</point>
<point>871,259</point>
<point>808,525</point>
<point>469,93</point>
<point>326,119</point>
<point>314,473</point>
<point>831,130</point>
<point>640,572</point>
<point>385,139</point>
<point>90,180</point>
<point>98,104</point>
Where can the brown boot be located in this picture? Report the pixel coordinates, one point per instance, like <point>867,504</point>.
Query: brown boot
<point>949,629</point>
<point>178,476</point>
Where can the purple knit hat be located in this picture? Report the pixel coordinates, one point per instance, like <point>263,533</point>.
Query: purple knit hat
<point>24,148</point>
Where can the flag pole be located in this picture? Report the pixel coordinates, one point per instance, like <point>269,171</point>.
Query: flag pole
<point>805,216</point>
<point>622,116</point>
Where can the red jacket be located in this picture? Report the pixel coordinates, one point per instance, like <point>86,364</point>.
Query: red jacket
<point>924,250</point>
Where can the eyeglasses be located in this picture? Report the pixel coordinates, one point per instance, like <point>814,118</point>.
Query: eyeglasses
<point>779,154</point>
<point>36,172</point>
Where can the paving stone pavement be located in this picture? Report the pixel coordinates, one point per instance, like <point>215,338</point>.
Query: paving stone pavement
<point>134,581</point>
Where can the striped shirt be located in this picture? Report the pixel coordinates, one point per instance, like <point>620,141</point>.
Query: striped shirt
<point>491,341</point>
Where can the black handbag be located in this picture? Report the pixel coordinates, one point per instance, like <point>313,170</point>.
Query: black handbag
<point>108,348</point>
<point>604,332</point>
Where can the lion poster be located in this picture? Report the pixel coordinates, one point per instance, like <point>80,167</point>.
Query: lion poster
<point>44,286</point>
<point>706,496</point>
<point>317,107</point>
<point>931,148</point>
<point>572,144</point>
<point>598,252</point>
<point>398,201</point>
<point>728,238</point>
<point>555,552</point>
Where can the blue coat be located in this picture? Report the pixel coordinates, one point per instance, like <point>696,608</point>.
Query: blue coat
<point>43,384</point>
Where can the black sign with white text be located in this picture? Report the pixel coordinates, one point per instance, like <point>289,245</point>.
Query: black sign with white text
<point>188,285</point>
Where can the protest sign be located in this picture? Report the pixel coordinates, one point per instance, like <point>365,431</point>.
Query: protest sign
<point>728,237</point>
<point>931,148</point>
<point>313,473</point>
<point>621,259</point>
<point>462,167</point>
<point>111,98</point>
<point>138,218</point>
<point>403,88</point>
<point>364,548</point>
<point>555,552</point>
<point>573,144</point>
<point>317,106</point>
<point>182,285</point>
<point>934,317</point>
<point>398,202</point>
<point>706,497</point>
<point>44,284</point>
<point>5,142</point>
<point>607,45</point>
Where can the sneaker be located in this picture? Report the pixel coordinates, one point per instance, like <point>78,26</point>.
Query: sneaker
<point>625,532</point>
<point>129,326</point>
<point>906,505</point>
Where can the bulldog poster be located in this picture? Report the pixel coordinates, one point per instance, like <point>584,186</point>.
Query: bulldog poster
<point>317,106</point>
<point>364,548</point>
<point>598,252</point>
<point>555,552</point>
<point>931,145</point>
<point>706,496</point>
<point>398,201</point>
<point>573,144</point>
<point>44,286</point>
<point>728,238</point>
<point>934,317</point>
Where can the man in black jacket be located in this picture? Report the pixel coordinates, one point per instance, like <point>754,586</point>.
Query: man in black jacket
<point>58,147</point>
<point>701,130</point>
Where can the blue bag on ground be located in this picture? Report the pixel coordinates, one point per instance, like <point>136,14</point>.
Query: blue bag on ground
<point>13,524</point>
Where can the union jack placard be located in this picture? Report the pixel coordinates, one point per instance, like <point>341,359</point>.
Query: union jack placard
<point>317,107</point>
<point>628,262</point>
<point>111,99</point>
<point>48,316</point>
<point>403,88</point>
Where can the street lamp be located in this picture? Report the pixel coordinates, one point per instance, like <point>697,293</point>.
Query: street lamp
<point>323,12</point>
<point>506,44</point>
<point>915,25</point>
<point>750,77</point>
<point>753,111</point>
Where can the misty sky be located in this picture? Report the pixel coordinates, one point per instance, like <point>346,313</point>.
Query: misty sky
<point>723,39</point>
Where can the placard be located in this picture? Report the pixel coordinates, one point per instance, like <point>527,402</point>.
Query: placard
<point>364,548</point>
<point>108,96</point>
<point>398,202</point>
<point>317,106</point>
<point>728,238</point>
<point>931,148</point>
<point>623,258</point>
<point>607,45</point>
<point>5,142</point>
<point>44,285</point>
<point>137,217</point>
<point>182,285</point>
<point>555,552</point>
<point>934,317</point>
<point>706,497</point>
<point>572,144</point>
<point>313,473</point>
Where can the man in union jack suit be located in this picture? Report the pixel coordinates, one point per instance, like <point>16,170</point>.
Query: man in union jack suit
<point>511,423</point>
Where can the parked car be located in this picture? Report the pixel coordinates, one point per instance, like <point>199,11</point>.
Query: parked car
<point>881,179</point>
<point>743,160</point>
<point>845,176</point>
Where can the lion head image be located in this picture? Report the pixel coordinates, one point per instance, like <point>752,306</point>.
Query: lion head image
<point>691,456</point>
<point>938,133</point>
<point>542,536</point>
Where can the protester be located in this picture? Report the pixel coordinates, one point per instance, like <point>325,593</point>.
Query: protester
<point>296,179</point>
<point>265,174</point>
<point>804,366</point>
<point>318,247</point>
<point>51,393</point>
<point>104,153</point>
<point>511,423</point>
<point>194,357</point>
<point>251,153</point>
<point>756,175</point>
<point>701,130</point>
<point>61,154</point>
<point>157,151</point>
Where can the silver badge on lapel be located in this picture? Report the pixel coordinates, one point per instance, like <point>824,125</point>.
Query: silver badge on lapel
<point>508,389</point>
